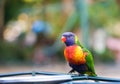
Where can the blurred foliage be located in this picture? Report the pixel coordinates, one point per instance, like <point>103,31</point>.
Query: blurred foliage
<point>101,13</point>
<point>12,9</point>
<point>107,56</point>
<point>14,53</point>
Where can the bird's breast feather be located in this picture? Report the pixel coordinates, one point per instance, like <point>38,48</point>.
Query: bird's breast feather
<point>74,55</point>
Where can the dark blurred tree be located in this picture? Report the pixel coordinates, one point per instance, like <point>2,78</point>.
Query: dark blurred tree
<point>1,18</point>
<point>13,8</point>
<point>118,2</point>
<point>8,10</point>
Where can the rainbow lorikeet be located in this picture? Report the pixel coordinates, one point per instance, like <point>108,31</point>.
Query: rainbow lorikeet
<point>79,58</point>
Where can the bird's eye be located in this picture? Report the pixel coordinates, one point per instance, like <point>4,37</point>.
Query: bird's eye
<point>70,35</point>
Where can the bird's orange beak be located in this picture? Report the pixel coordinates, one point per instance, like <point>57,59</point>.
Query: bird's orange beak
<point>63,39</point>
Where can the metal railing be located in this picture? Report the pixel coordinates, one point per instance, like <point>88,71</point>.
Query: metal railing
<point>50,77</point>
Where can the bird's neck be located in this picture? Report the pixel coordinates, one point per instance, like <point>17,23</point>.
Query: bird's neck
<point>69,44</point>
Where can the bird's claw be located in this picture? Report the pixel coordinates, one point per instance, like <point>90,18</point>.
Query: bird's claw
<point>71,71</point>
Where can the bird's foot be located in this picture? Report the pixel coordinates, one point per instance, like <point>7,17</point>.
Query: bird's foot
<point>71,71</point>
<point>82,74</point>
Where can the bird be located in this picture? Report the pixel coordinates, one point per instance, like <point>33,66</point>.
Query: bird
<point>78,57</point>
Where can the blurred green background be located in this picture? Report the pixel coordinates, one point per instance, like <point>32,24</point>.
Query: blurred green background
<point>30,30</point>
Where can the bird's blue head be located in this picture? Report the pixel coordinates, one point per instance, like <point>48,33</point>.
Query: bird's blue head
<point>68,38</point>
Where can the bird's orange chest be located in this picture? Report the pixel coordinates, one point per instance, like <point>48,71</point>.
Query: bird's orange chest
<point>74,55</point>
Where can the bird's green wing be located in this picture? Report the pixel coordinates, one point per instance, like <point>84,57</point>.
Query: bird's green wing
<point>90,64</point>
<point>89,58</point>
